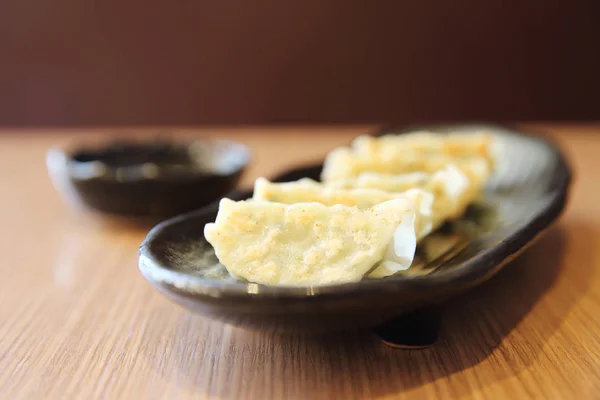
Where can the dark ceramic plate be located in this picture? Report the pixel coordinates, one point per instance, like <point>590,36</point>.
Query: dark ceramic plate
<point>526,194</point>
<point>148,178</point>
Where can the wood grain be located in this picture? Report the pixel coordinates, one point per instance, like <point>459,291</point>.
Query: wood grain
<point>77,320</point>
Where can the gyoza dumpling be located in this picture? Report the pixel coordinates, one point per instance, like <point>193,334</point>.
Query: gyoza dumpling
<point>342,163</point>
<point>476,171</point>
<point>310,243</point>
<point>455,144</point>
<point>386,182</point>
<point>453,190</point>
<point>307,190</point>
<point>371,155</point>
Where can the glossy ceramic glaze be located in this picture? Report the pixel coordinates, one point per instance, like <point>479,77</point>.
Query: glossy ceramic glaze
<point>527,192</point>
<point>148,178</point>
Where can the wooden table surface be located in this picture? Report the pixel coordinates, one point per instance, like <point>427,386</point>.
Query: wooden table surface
<point>77,320</point>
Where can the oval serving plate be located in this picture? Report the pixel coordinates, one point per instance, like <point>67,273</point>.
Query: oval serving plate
<point>527,193</point>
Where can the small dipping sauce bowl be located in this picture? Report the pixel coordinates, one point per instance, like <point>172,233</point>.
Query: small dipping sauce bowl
<point>147,178</point>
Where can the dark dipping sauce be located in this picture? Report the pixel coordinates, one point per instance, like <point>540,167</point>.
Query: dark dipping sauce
<point>121,154</point>
<point>155,179</point>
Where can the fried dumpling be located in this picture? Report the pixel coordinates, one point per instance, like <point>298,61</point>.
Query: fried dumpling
<point>311,243</point>
<point>307,190</point>
<point>386,182</point>
<point>385,156</point>
<point>457,145</point>
<point>453,190</point>
<point>342,163</point>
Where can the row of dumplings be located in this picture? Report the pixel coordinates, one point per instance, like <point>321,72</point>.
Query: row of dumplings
<point>377,200</point>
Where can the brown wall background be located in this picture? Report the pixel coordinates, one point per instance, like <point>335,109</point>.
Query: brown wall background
<point>84,62</point>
